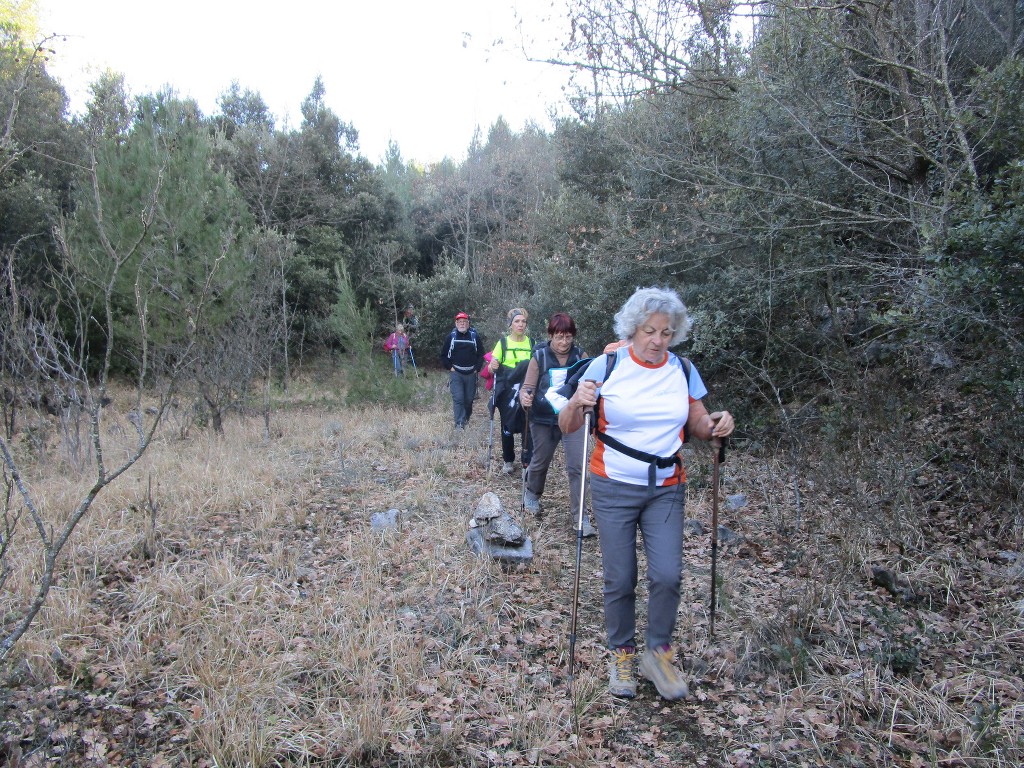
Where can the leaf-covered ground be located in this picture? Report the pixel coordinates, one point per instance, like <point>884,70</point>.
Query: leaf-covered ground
<point>294,633</point>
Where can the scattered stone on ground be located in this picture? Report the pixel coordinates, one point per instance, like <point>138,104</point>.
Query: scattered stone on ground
<point>390,519</point>
<point>493,532</point>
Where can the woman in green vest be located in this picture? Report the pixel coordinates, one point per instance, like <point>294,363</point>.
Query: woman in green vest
<point>509,361</point>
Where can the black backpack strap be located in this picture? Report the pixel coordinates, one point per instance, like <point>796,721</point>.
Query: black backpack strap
<point>653,462</point>
<point>543,363</point>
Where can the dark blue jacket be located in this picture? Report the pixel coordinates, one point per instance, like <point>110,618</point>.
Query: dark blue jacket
<point>463,351</point>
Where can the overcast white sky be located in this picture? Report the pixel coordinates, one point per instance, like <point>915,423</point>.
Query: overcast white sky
<point>424,74</point>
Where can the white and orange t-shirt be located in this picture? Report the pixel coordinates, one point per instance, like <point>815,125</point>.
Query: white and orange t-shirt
<point>643,406</point>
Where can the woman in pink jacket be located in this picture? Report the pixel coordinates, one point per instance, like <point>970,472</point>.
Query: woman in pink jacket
<point>398,345</point>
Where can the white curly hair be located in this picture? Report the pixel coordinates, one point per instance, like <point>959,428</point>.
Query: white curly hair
<point>646,302</point>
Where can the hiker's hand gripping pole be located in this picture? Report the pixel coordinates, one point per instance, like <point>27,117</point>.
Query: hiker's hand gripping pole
<point>583,400</point>
<point>526,397</point>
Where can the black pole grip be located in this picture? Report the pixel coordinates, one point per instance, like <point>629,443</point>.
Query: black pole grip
<point>722,443</point>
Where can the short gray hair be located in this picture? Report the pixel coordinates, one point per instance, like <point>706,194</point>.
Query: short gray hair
<point>649,301</point>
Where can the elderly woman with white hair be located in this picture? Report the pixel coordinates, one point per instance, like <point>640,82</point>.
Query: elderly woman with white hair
<point>647,400</point>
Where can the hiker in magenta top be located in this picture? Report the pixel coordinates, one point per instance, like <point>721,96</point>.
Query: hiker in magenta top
<point>548,368</point>
<point>397,340</point>
<point>398,345</point>
<point>648,400</point>
<point>509,359</point>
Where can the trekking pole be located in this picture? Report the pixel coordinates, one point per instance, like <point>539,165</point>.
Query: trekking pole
<point>490,438</point>
<point>579,554</point>
<point>526,439</point>
<point>718,445</point>
<point>394,360</point>
<point>412,359</point>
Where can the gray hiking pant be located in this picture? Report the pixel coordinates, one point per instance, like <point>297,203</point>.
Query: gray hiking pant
<point>620,509</point>
<point>545,439</point>
<point>463,389</point>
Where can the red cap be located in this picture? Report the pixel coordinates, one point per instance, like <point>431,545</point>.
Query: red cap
<point>462,316</point>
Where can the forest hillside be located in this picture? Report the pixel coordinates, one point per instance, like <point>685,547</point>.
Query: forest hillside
<point>836,196</point>
<point>245,601</point>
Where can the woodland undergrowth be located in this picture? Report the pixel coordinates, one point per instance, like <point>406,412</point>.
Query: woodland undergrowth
<point>230,603</point>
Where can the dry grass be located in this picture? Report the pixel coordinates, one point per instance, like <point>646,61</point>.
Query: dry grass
<point>264,621</point>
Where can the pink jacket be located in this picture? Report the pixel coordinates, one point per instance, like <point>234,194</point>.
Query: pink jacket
<point>397,341</point>
<point>486,374</point>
